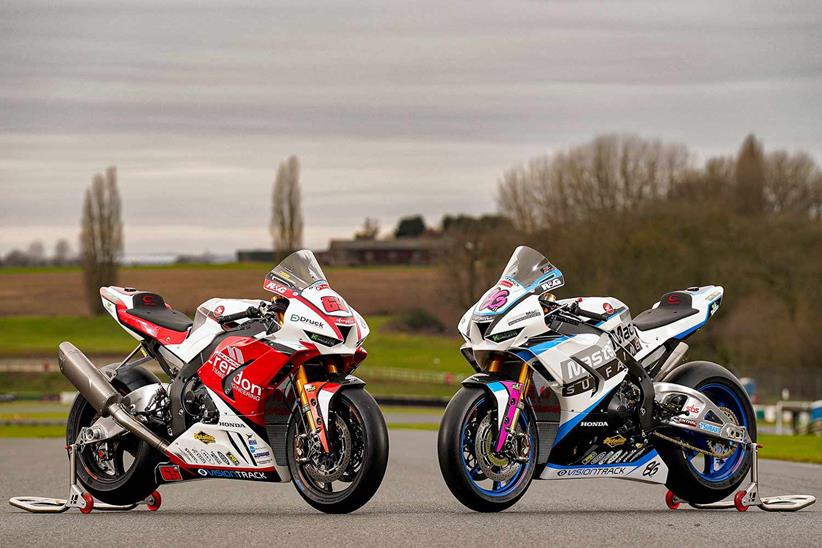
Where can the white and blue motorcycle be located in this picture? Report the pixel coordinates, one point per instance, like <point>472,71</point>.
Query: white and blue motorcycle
<point>575,388</point>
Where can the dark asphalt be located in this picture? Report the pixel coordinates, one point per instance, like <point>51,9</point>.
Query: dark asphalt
<point>412,508</point>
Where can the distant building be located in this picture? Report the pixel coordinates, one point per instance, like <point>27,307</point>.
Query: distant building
<point>384,252</point>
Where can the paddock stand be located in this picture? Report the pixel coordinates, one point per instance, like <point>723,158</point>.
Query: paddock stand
<point>77,497</point>
<point>749,497</point>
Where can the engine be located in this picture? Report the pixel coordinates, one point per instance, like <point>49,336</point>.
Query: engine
<point>197,403</point>
<point>622,409</point>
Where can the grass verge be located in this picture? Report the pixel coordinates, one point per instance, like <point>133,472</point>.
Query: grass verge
<point>792,448</point>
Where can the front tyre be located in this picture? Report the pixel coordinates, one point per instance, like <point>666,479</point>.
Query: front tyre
<point>480,478</point>
<point>345,478</point>
<point>695,476</point>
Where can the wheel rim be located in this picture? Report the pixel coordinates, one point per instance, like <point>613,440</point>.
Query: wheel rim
<point>108,461</point>
<point>346,416</point>
<point>470,461</point>
<point>712,469</point>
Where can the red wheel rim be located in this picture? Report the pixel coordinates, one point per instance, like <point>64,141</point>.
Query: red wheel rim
<point>89,503</point>
<point>157,501</point>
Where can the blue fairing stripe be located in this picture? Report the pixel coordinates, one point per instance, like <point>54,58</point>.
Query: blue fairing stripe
<point>635,463</point>
<point>570,424</point>
<point>687,332</point>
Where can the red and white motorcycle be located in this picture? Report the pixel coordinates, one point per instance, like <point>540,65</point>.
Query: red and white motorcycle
<point>258,391</point>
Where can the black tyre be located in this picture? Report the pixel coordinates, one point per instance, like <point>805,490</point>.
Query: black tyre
<point>700,478</point>
<point>345,478</point>
<point>469,423</point>
<point>119,471</point>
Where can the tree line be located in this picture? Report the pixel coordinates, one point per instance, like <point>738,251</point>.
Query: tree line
<point>634,218</point>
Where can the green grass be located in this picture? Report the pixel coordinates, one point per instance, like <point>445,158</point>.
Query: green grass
<point>793,448</point>
<point>413,426</point>
<point>33,336</point>
<point>15,431</point>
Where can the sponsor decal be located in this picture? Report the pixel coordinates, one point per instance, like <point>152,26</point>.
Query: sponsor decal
<point>593,357</point>
<point>320,286</point>
<point>226,361</point>
<point>150,300</point>
<point>232,474</point>
<point>714,308</point>
<point>219,311</point>
<point>262,455</point>
<point>170,472</point>
<point>246,387</point>
<point>308,321</point>
<point>651,470</point>
<point>550,284</point>
<point>589,457</point>
<point>615,441</point>
<point>607,371</point>
<point>591,424</point>
<point>205,438</point>
<point>608,308</point>
<point>674,299</point>
<point>275,287</point>
<point>693,409</point>
<point>223,457</point>
<point>495,300</point>
<point>626,335</point>
<point>234,460</point>
<point>506,283</point>
<point>708,427</point>
<point>523,317</point>
<point>231,424</point>
<point>684,420</point>
<point>594,472</point>
<point>332,303</point>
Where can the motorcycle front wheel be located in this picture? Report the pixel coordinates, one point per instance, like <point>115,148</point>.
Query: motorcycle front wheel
<point>349,474</point>
<point>480,478</point>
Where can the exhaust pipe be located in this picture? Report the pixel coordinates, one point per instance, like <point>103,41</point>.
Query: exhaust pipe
<point>103,397</point>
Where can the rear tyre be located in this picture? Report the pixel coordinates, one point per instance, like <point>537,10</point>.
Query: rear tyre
<point>466,469</point>
<point>345,478</point>
<point>118,471</point>
<point>693,476</point>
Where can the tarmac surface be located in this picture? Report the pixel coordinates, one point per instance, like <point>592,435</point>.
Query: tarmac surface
<point>412,508</point>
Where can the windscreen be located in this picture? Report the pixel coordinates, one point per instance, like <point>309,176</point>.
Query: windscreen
<point>528,266</point>
<point>298,271</point>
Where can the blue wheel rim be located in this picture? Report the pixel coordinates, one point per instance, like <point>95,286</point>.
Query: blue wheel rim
<point>712,469</point>
<point>499,489</point>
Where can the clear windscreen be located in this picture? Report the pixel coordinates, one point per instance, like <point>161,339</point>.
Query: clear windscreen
<point>527,266</point>
<point>298,271</point>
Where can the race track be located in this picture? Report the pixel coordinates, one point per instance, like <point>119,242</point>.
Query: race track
<point>412,508</point>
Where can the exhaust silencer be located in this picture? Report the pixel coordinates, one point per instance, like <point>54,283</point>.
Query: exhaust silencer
<point>103,397</point>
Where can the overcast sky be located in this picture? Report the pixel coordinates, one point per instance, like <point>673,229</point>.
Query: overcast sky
<point>393,107</point>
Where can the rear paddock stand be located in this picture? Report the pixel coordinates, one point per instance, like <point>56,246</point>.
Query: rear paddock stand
<point>749,497</point>
<point>78,498</point>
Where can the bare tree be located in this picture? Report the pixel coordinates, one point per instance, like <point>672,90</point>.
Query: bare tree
<point>369,231</point>
<point>750,177</point>
<point>101,237</point>
<point>286,209</point>
<point>36,253</point>
<point>793,183</point>
<point>611,173</point>
<point>62,252</point>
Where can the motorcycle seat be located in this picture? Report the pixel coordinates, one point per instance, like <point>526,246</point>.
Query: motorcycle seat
<point>672,307</point>
<point>153,308</point>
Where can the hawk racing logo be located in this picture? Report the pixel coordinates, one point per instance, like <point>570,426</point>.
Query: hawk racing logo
<point>205,438</point>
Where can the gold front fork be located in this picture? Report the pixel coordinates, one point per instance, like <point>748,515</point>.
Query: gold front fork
<point>302,380</point>
<point>524,381</point>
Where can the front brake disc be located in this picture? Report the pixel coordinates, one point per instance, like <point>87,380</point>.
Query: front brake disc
<point>328,467</point>
<point>495,466</point>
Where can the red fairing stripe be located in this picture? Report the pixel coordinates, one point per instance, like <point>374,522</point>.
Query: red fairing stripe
<point>161,334</point>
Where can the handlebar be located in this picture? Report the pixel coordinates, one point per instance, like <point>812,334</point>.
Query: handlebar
<point>250,312</point>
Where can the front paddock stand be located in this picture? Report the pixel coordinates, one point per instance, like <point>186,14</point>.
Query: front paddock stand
<point>78,498</point>
<point>749,497</point>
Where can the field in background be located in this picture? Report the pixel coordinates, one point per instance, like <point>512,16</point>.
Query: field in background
<point>58,291</point>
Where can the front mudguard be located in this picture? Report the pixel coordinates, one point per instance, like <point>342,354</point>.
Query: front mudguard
<point>320,396</point>
<point>508,397</point>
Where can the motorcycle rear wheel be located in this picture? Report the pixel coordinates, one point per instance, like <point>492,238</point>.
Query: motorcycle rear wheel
<point>365,462</point>
<point>120,471</point>
<point>699,478</point>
